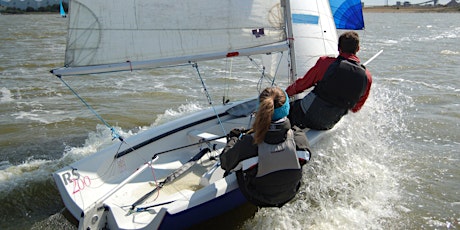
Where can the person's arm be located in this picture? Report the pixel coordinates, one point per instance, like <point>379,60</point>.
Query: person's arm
<point>237,150</point>
<point>363,98</point>
<point>228,157</point>
<point>303,83</point>
<point>313,75</point>
<point>300,139</point>
<point>301,143</point>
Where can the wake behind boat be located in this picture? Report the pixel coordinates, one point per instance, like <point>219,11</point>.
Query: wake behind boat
<point>169,177</point>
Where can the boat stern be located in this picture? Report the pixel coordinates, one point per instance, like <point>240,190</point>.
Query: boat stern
<point>65,180</point>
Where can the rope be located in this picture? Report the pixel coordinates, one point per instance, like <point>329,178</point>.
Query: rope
<point>115,134</point>
<point>277,68</point>
<point>226,98</point>
<point>130,65</point>
<point>263,75</point>
<point>195,65</point>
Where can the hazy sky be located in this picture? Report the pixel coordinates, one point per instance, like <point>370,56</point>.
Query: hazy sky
<point>393,2</point>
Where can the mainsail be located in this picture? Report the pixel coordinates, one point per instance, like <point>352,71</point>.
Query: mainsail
<point>116,35</point>
<point>348,14</point>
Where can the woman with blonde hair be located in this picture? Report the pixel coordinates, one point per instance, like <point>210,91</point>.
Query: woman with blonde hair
<point>268,162</point>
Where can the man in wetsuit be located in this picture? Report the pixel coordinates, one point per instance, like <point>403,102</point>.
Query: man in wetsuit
<point>340,84</point>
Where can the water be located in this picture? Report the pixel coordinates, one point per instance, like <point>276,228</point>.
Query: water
<point>393,165</point>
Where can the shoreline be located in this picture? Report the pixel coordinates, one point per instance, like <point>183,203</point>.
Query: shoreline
<point>366,9</point>
<point>411,9</point>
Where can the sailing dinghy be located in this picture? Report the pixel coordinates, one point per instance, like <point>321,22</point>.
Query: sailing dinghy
<point>169,177</point>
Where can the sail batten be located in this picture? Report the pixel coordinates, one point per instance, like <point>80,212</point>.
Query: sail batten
<point>104,32</point>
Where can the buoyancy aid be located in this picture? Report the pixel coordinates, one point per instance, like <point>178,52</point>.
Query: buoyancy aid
<point>272,158</point>
<point>272,178</point>
<point>343,84</point>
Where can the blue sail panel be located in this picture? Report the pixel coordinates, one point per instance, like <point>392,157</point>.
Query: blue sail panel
<point>305,19</point>
<point>61,9</point>
<point>348,14</point>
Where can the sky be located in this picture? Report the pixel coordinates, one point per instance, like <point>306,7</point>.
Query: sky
<point>393,2</point>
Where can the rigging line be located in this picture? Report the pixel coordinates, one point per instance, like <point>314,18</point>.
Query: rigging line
<point>209,97</point>
<point>189,145</point>
<point>277,68</point>
<point>111,166</point>
<point>228,74</point>
<point>155,180</point>
<point>103,174</point>
<point>259,83</point>
<point>115,134</point>
<point>171,177</point>
<point>263,75</point>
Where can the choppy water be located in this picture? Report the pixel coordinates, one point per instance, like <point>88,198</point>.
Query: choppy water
<point>393,165</point>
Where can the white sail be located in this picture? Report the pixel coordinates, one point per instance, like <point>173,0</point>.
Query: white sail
<point>119,31</point>
<point>314,34</point>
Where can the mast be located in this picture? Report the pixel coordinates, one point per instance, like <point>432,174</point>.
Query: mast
<point>290,38</point>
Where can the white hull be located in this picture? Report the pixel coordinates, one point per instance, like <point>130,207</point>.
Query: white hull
<point>100,180</point>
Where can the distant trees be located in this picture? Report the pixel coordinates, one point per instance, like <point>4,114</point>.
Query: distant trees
<point>12,10</point>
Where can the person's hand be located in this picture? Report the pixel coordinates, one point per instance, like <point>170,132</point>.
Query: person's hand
<point>235,133</point>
